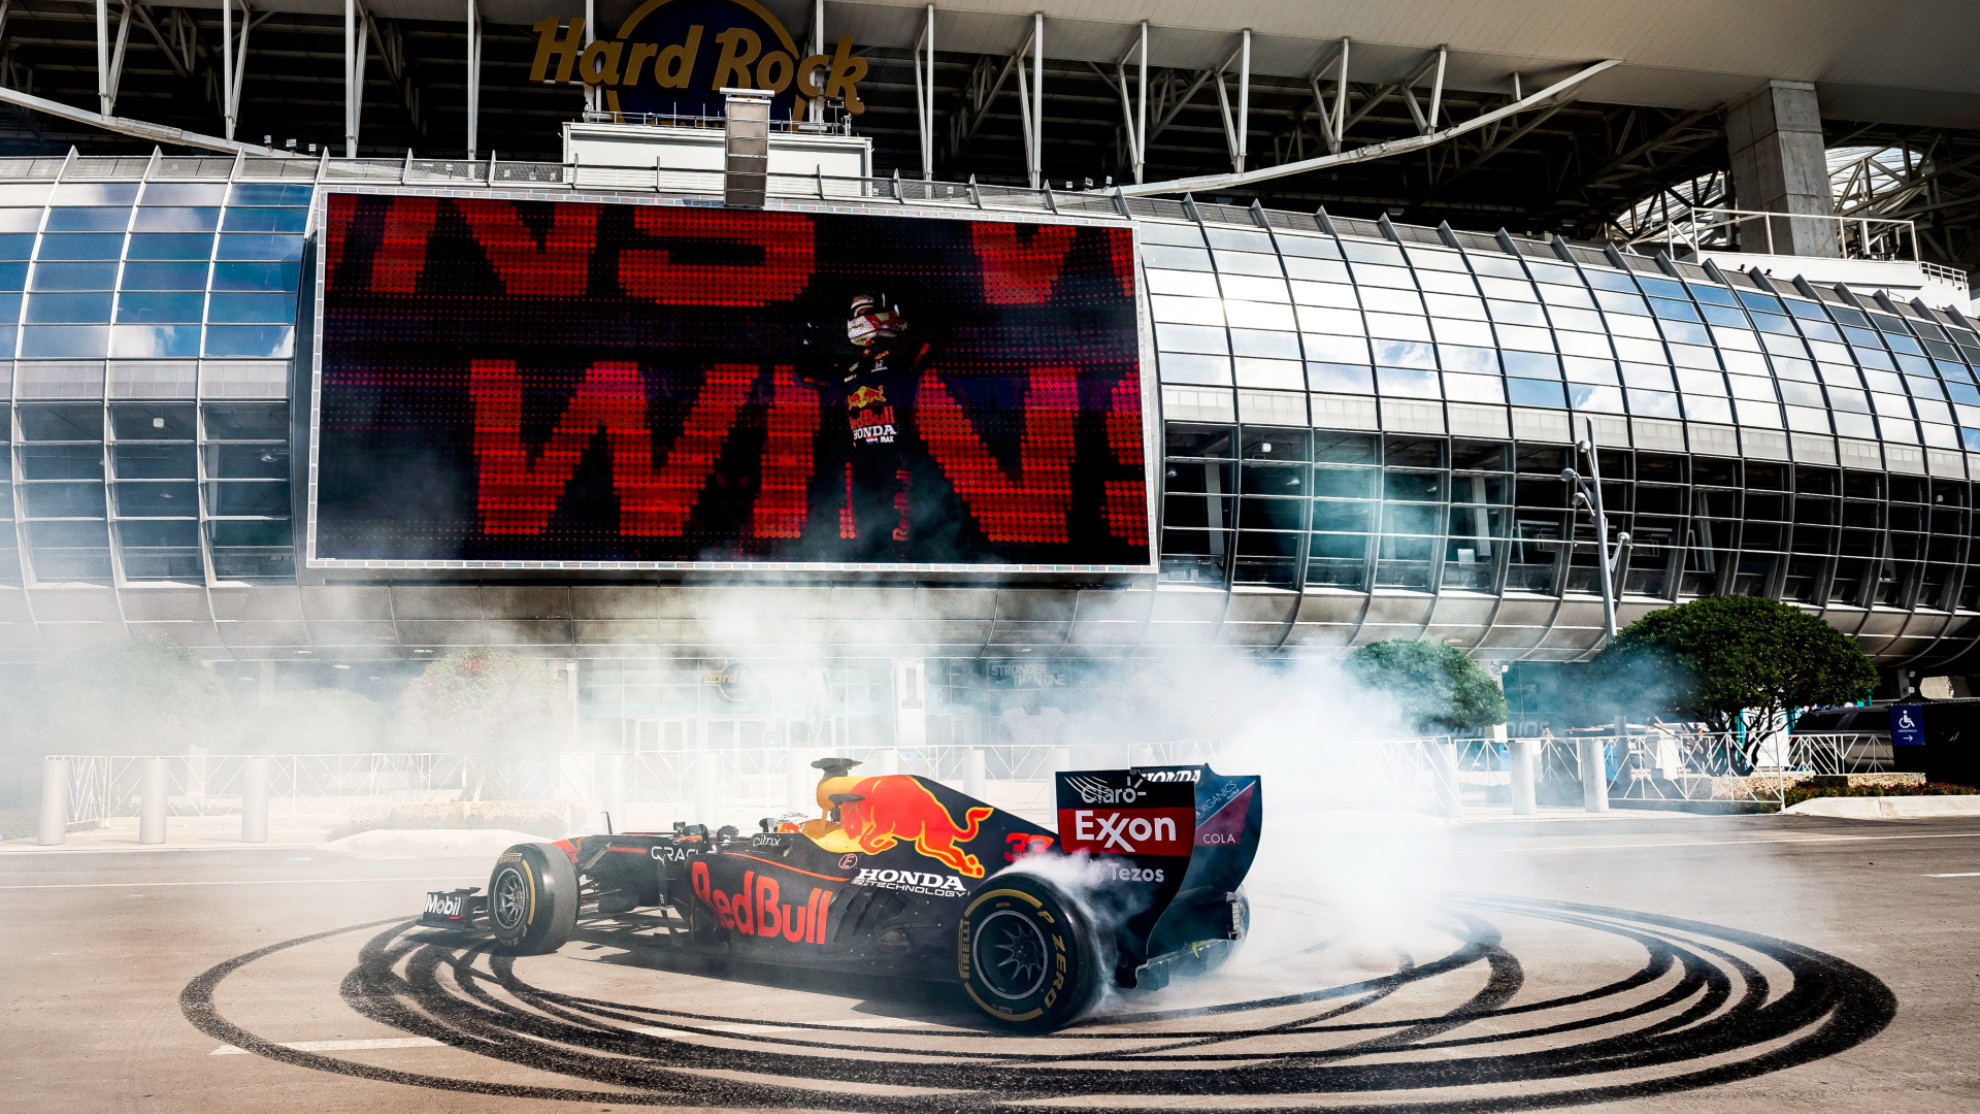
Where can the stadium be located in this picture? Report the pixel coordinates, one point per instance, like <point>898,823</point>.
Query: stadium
<point>1318,309</point>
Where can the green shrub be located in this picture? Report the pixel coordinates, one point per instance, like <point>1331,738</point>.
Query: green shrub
<point>1799,793</point>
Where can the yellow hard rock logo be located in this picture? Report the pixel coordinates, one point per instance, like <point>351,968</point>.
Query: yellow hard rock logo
<point>741,60</point>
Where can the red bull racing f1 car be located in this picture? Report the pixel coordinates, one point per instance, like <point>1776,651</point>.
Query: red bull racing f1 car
<point>903,875</point>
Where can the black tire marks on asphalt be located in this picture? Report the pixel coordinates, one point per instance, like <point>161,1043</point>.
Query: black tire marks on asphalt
<point>1719,1019</point>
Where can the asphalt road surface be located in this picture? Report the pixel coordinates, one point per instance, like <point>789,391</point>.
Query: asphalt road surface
<point>1642,964</point>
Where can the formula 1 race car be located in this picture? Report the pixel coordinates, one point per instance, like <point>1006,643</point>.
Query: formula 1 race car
<point>905,876</point>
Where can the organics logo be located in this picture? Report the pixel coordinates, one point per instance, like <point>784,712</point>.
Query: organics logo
<point>678,55</point>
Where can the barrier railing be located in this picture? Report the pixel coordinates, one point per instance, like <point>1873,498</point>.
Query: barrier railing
<point>1436,774</point>
<point>102,787</point>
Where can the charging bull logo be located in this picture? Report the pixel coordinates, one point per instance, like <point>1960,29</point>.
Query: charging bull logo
<point>864,397</point>
<point>901,809</point>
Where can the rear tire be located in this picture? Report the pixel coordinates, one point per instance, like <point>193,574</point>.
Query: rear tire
<point>533,899</point>
<point>1026,955</point>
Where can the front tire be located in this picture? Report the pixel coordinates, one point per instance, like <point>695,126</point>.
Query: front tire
<point>533,899</point>
<point>1026,955</point>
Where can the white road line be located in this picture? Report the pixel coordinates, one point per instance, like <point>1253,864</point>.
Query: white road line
<point>1969,874</point>
<point>1788,841</point>
<point>339,1046</point>
<point>225,882</point>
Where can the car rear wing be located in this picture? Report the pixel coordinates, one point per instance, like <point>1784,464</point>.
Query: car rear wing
<point>1173,845</point>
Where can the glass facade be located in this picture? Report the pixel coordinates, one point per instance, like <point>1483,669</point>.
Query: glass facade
<point>1363,425</point>
<point>1356,408</point>
<point>149,331</point>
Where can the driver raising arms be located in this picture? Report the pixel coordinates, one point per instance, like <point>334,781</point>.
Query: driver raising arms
<point>878,390</point>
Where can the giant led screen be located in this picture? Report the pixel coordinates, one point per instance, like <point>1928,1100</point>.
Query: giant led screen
<point>568,383</point>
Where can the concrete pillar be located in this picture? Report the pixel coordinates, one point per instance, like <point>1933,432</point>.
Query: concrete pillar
<point>1779,165</point>
<point>910,702</point>
<point>54,827</point>
<point>151,813</point>
<point>707,789</point>
<point>614,779</point>
<point>1444,764</point>
<point>801,781</point>
<point>1594,776</point>
<point>254,801</point>
<point>1523,776</point>
<point>974,775</point>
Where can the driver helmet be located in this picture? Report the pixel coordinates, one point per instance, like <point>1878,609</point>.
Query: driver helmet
<point>872,318</point>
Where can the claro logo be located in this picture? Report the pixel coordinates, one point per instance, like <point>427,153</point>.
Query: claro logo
<point>1127,831</point>
<point>660,60</point>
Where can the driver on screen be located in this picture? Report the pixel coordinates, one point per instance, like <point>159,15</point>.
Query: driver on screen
<point>878,390</point>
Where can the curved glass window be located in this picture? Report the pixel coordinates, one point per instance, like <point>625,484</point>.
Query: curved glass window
<point>267,220</point>
<point>170,245</point>
<point>164,276</point>
<point>249,340</point>
<point>140,306</point>
<point>253,246</point>
<point>86,308</point>
<point>75,276</point>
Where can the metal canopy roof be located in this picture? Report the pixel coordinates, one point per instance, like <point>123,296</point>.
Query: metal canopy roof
<point>1910,62</point>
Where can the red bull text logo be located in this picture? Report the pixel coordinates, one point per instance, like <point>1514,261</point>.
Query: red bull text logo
<point>897,809</point>
<point>755,909</point>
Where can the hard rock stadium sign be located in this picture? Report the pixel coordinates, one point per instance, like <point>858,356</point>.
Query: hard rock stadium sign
<point>675,56</point>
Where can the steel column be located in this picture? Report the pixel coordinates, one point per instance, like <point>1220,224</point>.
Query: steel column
<point>227,65</point>
<point>473,79</point>
<point>1244,100</point>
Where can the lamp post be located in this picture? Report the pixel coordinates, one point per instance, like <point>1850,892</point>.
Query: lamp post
<point>1588,497</point>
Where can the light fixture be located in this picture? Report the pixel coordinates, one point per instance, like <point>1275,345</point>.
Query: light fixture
<point>158,423</point>
<point>339,665</point>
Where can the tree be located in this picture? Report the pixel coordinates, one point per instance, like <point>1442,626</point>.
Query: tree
<point>148,696</point>
<point>1730,661</point>
<point>499,708</point>
<point>1437,687</point>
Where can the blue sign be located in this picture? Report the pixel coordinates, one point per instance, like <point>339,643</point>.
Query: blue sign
<point>1907,725</point>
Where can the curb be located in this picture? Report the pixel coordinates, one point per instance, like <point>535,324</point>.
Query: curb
<point>1888,808</point>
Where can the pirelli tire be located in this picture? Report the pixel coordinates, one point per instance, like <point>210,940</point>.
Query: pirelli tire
<point>1026,955</point>
<point>533,899</point>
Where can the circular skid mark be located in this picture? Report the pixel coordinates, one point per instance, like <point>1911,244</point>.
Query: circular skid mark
<point>1627,1004</point>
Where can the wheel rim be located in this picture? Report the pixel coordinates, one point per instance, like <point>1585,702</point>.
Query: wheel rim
<point>1009,954</point>
<point>510,899</point>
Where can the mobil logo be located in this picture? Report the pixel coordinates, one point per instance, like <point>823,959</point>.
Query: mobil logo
<point>1127,831</point>
<point>897,808</point>
<point>758,909</point>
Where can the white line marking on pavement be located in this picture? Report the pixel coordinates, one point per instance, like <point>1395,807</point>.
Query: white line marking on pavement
<point>225,882</point>
<point>339,1046</point>
<point>1790,840</point>
<point>1969,874</point>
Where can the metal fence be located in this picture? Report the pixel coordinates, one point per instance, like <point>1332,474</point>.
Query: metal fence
<point>106,786</point>
<point>1435,774</point>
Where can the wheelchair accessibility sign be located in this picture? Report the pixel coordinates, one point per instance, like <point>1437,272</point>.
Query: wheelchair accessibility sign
<point>1907,725</point>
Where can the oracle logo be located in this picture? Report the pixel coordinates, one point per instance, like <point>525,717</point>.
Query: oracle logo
<point>1127,831</point>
